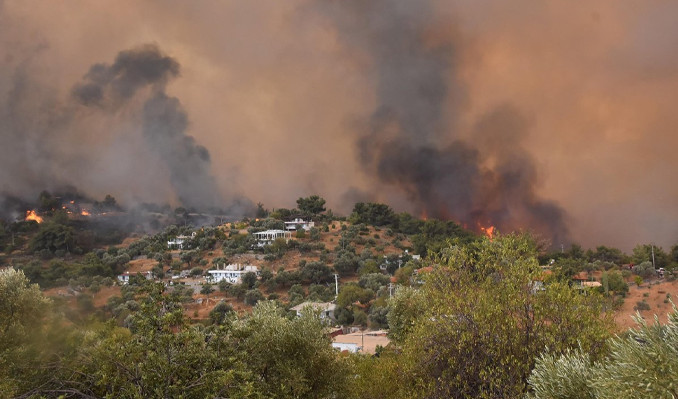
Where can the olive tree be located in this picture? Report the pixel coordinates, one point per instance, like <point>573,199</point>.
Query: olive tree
<point>484,322</point>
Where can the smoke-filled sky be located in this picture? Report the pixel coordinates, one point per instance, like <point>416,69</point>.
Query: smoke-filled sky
<point>521,114</point>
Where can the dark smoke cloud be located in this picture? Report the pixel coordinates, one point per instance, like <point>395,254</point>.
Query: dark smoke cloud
<point>119,132</point>
<point>164,120</point>
<point>407,142</point>
<point>131,71</point>
<point>274,90</point>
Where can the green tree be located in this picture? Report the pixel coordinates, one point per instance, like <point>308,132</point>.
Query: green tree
<point>640,364</point>
<point>296,293</point>
<point>644,269</point>
<point>484,324</point>
<point>351,293</point>
<point>292,358</point>
<point>346,263</point>
<point>206,289</point>
<point>407,224</point>
<point>261,212</point>
<point>434,235</point>
<point>316,272</point>
<point>314,234</point>
<point>47,202</point>
<point>23,313</point>
<point>608,254</point>
<point>219,313</point>
<point>311,206</point>
<point>644,253</point>
<point>374,281</point>
<point>253,296</point>
<point>53,237</point>
<point>189,257</point>
<point>373,213</point>
<point>404,309</point>
<point>249,280</point>
<point>368,267</point>
<point>615,282</point>
<point>160,356</point>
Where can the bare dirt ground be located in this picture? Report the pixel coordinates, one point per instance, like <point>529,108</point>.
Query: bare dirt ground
<point>654,293</point>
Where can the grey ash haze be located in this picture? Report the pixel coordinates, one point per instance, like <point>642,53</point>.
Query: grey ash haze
<point>517,114</point>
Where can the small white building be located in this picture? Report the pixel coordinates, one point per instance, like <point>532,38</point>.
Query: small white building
<point>361,341</point>
<point>232,273</point>
<point>306,225</point>
<point>267,237</point>
<point>178,242</point>
<point>124,278</point>
<point>326,309</point>
<point>346,346</point>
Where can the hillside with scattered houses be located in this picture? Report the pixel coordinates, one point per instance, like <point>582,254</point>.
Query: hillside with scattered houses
<point>379,293</point>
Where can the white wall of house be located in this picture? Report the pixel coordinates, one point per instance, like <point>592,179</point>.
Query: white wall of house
<point>231,273</point>
<point>267,237</point>
<point>124,278</point>
<point>342,346</point>
<point>306,225</point>
<point>326,309</point>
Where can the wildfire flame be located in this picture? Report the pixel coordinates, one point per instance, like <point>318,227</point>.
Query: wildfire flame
<point>32,215</point>
<point>84,212</point>
<point>488,231</point>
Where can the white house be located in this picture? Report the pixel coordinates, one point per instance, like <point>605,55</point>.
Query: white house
<point>232,273</point>
<point>326,309</point>
<point>124,278</point>
<point>267,237</point>
<point>292,226</point>
<point>179,241</point>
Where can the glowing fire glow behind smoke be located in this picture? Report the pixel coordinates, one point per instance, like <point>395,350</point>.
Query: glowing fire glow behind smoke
<point>488,231</point>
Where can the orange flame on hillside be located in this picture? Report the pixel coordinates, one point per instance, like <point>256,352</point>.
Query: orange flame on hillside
<point>32,215</point>
<point>488,231</point>
<point>84,212</point>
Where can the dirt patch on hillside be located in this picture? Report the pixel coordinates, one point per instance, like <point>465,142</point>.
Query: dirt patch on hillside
<point>654,293</point>
<point>101,297</point>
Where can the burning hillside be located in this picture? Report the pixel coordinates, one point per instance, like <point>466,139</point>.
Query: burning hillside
<point>32,215</point>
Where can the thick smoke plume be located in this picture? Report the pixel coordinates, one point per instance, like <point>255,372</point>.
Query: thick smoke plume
<point>118,132</point>
<point>164,122</point>
<point>486,179</point>
<point>480,111</point>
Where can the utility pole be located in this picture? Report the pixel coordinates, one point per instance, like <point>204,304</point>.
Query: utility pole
<point>653,265</point>
<point>336,285</point>
<point>390,290</point>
